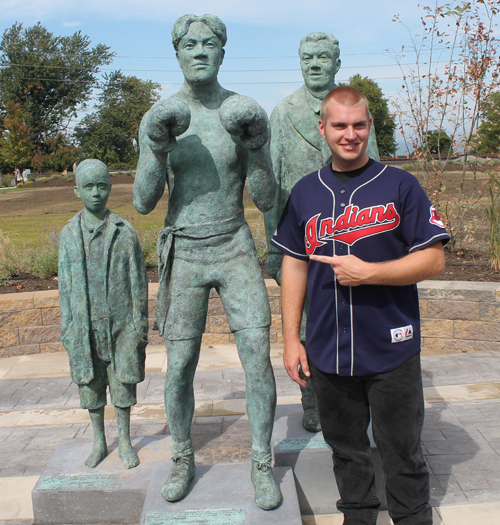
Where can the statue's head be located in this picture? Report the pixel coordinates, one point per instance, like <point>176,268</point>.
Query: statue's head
<point>199,45</point>
<point>319,60</point>
<point>92,184</point>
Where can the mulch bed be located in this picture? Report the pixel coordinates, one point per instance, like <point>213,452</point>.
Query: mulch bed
<point>466,265</point>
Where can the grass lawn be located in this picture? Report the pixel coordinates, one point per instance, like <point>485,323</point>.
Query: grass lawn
<point>27,215</point>
<point>31,219</point>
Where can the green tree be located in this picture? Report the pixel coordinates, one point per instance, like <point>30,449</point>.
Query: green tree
<point>63,155</point>
<point>49,76</point>
<point>383,121</point>
<point>15,143</point>
<point>488,133</point>
<point>438,143</point>
<point>111,132</point>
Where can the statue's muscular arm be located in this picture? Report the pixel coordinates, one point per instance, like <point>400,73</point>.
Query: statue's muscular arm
<point>244,118</point>
<point>167,119</point>
<point>149,183</point>
<point>261,183</point>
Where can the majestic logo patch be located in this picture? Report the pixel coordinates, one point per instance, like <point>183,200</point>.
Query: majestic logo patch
<point>434,218</point>
<point>352,225</point>
<point>398,335</point>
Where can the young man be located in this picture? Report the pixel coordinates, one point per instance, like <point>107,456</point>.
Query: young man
<point>358,236</point>
<point>103,297</point>
<point>297,148</point>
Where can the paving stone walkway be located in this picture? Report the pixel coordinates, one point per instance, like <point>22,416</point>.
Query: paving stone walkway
<point>39,407</point>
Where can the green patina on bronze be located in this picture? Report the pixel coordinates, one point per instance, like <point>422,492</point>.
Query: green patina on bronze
<point>204,143</point>
<point>198,517</point>
<point>104,311</point>
<point>97,482</point>
<point>302,444</point>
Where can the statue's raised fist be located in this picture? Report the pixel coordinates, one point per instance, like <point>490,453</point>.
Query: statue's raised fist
<point>243,117</point>
<point>167,119</point>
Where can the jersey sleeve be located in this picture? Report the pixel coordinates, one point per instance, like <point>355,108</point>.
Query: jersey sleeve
<point>420,221</point>
<point>289,237</point>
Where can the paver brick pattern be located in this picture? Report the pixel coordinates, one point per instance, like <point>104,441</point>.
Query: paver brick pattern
<point>461,439</point>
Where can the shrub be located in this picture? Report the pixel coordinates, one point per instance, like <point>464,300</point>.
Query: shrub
<point>260,240</point>
<point>6,181</point>
<point>149,240</point>
<point>40,261</point>
<point>492,212</point>
<point>9,257</point>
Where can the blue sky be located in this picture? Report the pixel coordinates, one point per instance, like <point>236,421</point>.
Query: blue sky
<point>263,37</point>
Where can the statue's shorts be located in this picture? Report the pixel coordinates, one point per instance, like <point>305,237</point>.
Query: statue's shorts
<point>229,264</point>
<point>93,395</point>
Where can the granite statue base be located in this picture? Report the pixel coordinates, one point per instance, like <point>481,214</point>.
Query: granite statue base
<point>68,492</point>
<point>311,460</point>
<point>221,494</point>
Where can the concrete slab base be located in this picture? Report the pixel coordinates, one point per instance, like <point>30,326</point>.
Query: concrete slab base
<point>68,492</point>
<point>311,459</point>
<point>221,494</point>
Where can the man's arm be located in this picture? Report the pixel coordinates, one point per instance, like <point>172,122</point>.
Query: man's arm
<point>410,269</point>
<point>293,294</point>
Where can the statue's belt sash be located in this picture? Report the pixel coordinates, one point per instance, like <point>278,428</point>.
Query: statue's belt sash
<point>166,255</point>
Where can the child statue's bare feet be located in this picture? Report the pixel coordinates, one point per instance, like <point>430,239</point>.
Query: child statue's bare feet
<point>127,455</point>
<point>99,452</point>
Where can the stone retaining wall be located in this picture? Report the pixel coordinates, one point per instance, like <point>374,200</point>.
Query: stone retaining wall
<point>456,316</point>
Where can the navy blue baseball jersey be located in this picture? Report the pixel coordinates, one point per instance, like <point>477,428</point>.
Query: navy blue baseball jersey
<point>381,215</point>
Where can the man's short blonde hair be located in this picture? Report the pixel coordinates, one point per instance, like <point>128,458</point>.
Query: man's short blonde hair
<point>345,96</point>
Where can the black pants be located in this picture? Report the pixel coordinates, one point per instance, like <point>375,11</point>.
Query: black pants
<point>395,400</point>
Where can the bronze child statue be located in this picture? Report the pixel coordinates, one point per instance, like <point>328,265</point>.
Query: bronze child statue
<point>103,302</point>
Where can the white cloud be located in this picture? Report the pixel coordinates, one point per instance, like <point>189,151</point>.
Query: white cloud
<point>72,24</point>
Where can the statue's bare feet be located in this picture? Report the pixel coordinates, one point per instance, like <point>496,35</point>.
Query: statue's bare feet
<point>127,455</point>
<point>99,452</point>
<point>267,492</point>
<point>177,484</point>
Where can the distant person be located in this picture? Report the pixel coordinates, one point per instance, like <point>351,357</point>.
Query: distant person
<point>17,176</point>
<point>359,235</point>
<point>74,167</point>
<point>103,297</point>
